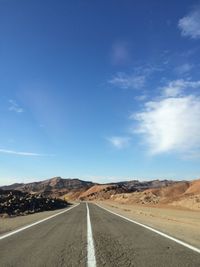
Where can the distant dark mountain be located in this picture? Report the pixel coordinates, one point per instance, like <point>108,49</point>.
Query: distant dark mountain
<point>12,186</point>
<point>135,185</point>
<point>56,186</point>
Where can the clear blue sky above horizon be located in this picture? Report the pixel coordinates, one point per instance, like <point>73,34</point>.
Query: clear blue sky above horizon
<point>100,90</point>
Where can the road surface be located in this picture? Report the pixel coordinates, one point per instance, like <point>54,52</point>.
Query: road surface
<point>92,237</point>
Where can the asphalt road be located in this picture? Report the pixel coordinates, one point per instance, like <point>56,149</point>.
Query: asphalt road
<point>62,241</point>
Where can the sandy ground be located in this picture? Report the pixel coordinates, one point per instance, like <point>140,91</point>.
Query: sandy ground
<point>179,223</point>
<point>9,224</point>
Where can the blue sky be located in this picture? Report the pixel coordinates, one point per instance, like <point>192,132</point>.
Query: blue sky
<point>100,90</point>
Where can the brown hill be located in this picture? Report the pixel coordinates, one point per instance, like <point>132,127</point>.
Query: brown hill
<point>106,191</point>
<point>181,194</point>
<point>102,191</point>
<point>194,187</point>
<point>171,192</point>
<point>72,189</point>
<point>55,187</point>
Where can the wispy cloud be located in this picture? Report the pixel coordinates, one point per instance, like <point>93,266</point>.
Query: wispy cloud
<point>142,97</point>
<point>126,81</point>
<point>183,69</point>
<point>177,87</point>
<point>119,142</point>
<point>15,107</point>
<point>29,154</point>
<point>190,24</point>
<point>133,80</point>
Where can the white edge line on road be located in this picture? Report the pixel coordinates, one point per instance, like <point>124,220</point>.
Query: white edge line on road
<point>154,230</point>
<point>91,260</point>
<point>35,223</point>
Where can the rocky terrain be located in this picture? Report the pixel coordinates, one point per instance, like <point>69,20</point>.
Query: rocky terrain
<point>13,203</point>
<point>179,195</point>
<point>106,191</point>
<point>75,188</point>
<point>53,187</point>
<point>165,192</point>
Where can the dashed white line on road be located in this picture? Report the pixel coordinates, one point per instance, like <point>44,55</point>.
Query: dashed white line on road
<point>91,259</point>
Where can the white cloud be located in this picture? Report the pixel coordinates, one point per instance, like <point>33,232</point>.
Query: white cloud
<point>119,142</point>
<point>6,151</point>
<point>190,24</point>
<point>177,87</point>
<point>15,107</point>
<point>126,81</point>
<point>171,125</point>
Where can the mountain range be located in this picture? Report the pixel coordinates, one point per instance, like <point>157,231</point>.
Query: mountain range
<point>76,188</point>
<point>184,194</point>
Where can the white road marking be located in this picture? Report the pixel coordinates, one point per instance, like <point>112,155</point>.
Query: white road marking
<point>33,224</point>
<point>155,231</point>
<point>91,259</point>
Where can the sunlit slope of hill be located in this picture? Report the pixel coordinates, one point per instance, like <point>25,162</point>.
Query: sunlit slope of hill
<point>156,192</point>
<point>102,191</point>
<point>182,194</point>
<point>106,191</point>
<point>76,188</point>
<point>55,187</point>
